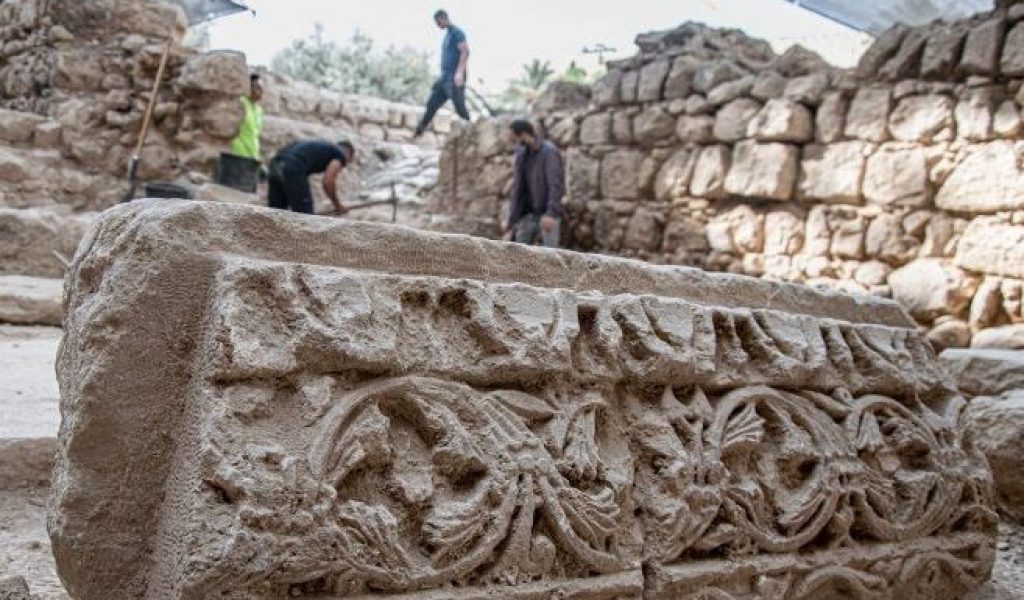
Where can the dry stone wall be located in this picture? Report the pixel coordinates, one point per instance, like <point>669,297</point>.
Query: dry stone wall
<point>358,418</point>
<point>900,178</point>
<point>75,78</point>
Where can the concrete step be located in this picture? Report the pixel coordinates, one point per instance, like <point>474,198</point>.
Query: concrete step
<point>36,242</point>
<point>26,300</point>
<point>43,177</point>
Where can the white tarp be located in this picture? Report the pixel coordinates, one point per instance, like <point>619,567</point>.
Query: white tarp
<point>207,10</point>
<point>875,16</point>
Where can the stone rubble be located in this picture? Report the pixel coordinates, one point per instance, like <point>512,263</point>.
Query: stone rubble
<point>994,419</point>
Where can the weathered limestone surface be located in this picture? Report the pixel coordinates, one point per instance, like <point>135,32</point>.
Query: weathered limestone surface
<point>994,380</point>
<point>30,300</point>
<point>985,372</point>
<point>994,424</point>
<point>34,242</point>
<point>360,418</point>
<point>992,246</point>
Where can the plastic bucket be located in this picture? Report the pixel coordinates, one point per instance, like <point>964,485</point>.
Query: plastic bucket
<point>164,189</point>
<point>238,172</point>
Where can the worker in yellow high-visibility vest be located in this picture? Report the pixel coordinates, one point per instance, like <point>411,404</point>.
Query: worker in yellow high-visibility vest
<point>247,141</point>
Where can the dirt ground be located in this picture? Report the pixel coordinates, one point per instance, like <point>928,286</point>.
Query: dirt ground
<point>29,418</point>
<point>29,395</point>
<point>24,544</point>
<point>1007,581</point>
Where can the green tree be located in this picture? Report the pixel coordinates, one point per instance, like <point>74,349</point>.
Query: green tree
<point>398,74</point>
<point>535,76</point>
<point>575,74</point>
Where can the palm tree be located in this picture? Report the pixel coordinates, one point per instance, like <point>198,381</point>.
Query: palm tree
<point>575,74</point>
<point>536,74</point>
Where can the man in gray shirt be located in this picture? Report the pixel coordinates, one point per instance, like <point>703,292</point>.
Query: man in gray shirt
<point>538,185</point>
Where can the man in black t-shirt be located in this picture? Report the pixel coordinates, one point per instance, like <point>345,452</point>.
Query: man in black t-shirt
<point>292,165</point>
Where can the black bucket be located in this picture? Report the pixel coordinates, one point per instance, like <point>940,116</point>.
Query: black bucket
<point>164,189</point>
<point>238,172</point>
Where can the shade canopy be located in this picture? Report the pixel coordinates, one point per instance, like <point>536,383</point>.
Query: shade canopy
<point>199,11</point>
<point>875,16</point>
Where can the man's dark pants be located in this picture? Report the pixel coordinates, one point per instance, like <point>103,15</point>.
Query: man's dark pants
<point>444,89</point>
<point>288,191</point>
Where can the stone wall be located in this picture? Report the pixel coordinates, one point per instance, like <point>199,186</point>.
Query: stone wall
<point>75,79</point>
<point>900,178</point>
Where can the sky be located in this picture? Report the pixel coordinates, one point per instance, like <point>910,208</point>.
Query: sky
<point>505,34</point>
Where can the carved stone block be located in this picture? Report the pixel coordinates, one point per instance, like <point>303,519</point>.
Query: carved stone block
<point>261,405</point>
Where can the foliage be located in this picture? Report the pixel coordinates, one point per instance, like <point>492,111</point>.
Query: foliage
<point>534,77</point>
<point>398,74</point>
<point>520,92</point>
<point>575,74</point>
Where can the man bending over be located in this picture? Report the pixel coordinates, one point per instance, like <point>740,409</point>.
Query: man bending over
<point>292,165</point>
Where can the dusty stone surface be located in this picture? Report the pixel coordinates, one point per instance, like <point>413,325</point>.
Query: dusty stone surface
<point>14,588</point>
<point>833,172</point>
<point>561,95</point>
<point>949,332</point>
<point>920,118</point>
<point>219,71</point>
<point>868,114</point>
<point>525,422</point>
<point>897,176</point>
<point>988,179</point>
<point>982,47</point>
<point>1005,337</point>
<point>17,126</point>
<point>942,51</point>
<point>928,287</point>
<point>33,242</point>
<point>673,178</point>
<point>30,300</point>
<point>994,424</point>
<point>985,372</point>
<point>732,121</point>
<point>781,120</point>
<point>992,246</point>
<point>763,170</point>
<point>709,171</point>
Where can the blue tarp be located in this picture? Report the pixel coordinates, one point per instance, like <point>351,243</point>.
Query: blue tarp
<point>875,16</point>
